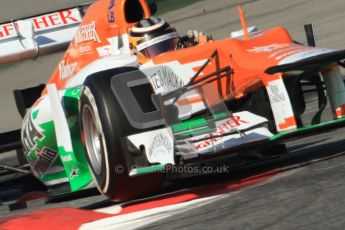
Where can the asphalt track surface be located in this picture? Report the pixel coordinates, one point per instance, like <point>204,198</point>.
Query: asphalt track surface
<point>310,195</point>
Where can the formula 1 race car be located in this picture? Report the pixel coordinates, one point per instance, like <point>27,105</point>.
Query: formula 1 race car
<point>102,118</point>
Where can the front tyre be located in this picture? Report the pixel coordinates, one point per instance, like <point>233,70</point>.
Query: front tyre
<point>104,127</point>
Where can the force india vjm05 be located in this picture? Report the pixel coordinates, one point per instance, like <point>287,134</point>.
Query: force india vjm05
<point>102,118</point>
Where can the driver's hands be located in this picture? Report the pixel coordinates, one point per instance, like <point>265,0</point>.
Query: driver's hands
<point>198,37</point>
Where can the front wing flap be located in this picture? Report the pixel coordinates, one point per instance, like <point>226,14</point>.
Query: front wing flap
<point>311,63</point>
<point>196,137</point>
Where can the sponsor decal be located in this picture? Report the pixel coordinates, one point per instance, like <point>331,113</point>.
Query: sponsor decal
<point>274,94</point>
<point>165,78</point>
<point>67,158</point>
<point>45,160</point>
<point>30,136</point>
<point>56,19</point>
<point>281,105</point>
<point>67,70</point>
<point>161,144</point>
<point>269,48</point>
<point>7,31</point>
<point>87,33</point>
<point>111,14</point>
<point>288,51</point>
<point>280,52</point>
<point>43,22</point>
<point>109,50</point>
<point>85,49</point>
<point>229,125</point>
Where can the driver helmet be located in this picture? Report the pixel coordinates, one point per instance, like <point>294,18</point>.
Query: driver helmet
<point>153,36</point>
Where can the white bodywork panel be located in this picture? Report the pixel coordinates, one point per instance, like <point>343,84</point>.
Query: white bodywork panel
<point>102,64</point>
<point>63,135</point>
<point>159,145</point>
<point>171,76</point>
<point>303,54</point>
<point>240,33</point>
<point>248,128</point>
<point>32,37</point>
<point>280,103</point>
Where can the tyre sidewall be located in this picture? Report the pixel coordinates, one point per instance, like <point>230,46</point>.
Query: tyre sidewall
<point>114,181</point>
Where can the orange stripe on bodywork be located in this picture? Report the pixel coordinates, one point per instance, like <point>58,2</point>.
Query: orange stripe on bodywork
<point>189,101</point>
<point>196,68</point>
<point>289,122</point>
<point>340,112</point>
<point>329,69</point>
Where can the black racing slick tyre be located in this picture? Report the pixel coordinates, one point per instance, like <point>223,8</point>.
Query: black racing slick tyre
<point>104,127</point>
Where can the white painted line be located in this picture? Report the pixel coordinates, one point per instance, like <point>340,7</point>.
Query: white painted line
<point>145,217</point>
<point>110,210</point>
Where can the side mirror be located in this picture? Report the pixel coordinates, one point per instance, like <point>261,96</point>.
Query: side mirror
<point>26,33</point>
<point>26,29</point>
<point>153,8</point>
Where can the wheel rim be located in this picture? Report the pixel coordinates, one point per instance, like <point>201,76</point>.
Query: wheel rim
<point>93,139</point>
